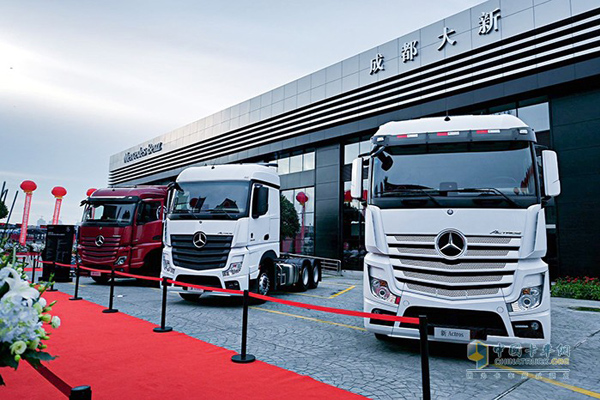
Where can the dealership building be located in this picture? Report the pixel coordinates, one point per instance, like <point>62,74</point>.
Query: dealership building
<point>536,59</point>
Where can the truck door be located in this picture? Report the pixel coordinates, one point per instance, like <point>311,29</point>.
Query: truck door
<point>147,234</point>
<point>260,221</point>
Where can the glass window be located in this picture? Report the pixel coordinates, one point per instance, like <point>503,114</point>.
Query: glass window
<point>483,174</point>
<point>536,116</point>
<point>210,200</point>
<point>283,166</point>
<point>351,152</point>
<point>109,212</point>
<point>504,109</point>
<point>310,203</point>
<point>364,147</point>
<point>288,194</point>
<point>309,161</point>
<point>148,211</point>
<point>303,201</point>
<point>296,163</point>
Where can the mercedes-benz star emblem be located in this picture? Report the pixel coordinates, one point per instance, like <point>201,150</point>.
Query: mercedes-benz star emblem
<point>450,212</point>
<point>99,240</point>
<point>451,244</point>
<point>199,239</point>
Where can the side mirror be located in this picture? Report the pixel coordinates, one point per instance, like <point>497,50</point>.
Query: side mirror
<point>356,183</point>
<point>550,170</point>
<point>260,202</point>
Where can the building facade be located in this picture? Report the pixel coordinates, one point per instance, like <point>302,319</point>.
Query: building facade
<point>536,59</point>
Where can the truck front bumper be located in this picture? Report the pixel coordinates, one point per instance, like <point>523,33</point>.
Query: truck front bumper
<point>209,277</point>
<point>486,318</point>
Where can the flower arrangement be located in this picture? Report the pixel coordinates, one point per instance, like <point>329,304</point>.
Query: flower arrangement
<point>23,313</point>
<point>577,288</point>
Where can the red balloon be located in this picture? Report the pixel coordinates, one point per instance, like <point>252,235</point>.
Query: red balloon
<point>28,186</point>
<point>59,191</point>
<point>302,198</point>
<point>90,191</point>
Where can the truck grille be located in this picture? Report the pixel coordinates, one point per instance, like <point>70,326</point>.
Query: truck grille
<point>212,256</point>
<point>487,265</point>
<point>105,254</point>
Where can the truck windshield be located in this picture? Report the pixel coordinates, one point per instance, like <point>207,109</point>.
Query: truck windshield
<point>474,174</point>
<point>210,200</point>
<point>109,213</point>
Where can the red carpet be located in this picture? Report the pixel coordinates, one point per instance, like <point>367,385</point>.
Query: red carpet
<point>121,358</point>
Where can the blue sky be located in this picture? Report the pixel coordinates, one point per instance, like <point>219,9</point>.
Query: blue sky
<point>82,80</point>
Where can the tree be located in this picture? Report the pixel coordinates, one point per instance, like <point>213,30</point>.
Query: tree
<point>3,210</point>
<point>290,225</point>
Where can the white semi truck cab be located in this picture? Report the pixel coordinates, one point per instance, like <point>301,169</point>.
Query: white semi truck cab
<point>455,229</point>
<point>222,230</point>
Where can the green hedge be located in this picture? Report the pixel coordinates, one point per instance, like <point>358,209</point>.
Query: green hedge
<point>577,288</point>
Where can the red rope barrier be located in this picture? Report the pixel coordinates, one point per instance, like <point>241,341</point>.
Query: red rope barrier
<point>66,265</point>
<point>383,317</point>
<point>55,380</point>
<point>148,278</point>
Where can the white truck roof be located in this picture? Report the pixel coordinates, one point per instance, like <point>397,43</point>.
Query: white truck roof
<point>456,123</point>
<point>230,172</point>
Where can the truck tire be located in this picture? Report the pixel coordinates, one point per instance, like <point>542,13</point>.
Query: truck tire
<point>102,279</point>
<point>190,297</point>
<point>304,278</point>
<point>315,275</point>
<point>263,283</point>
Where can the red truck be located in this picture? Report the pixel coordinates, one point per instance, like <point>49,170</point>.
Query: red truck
<point>122,228</point>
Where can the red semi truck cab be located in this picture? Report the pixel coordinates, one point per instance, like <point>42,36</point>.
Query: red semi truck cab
<point>122,228</point>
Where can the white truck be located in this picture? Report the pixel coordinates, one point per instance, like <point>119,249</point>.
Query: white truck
<point>455,229</point>
<point>222,230</point>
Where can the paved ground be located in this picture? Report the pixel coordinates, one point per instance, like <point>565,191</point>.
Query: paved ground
<point>337,350</point>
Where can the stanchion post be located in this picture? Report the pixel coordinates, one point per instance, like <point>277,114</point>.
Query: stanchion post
<point>244,358</point>
<point>33,265</point>
<point>110,308</point>
<point>424,357</point>
<point>76,295</point>
<point>54,271</point>
<point>163,314</point>
<point>81,393</point>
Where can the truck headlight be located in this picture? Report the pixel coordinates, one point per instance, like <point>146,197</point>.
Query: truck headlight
<point>166,265</point>
<point>381,290</point>
<point>121,260</point>
<point>530,298</point>
<point>235,267</point>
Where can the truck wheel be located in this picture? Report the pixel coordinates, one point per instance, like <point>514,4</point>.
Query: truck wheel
<point>102,279</point>
<point>263,283</point>
<point>304,278</point>
<point>382,337</point>
<point>190,297</point>
<point>314,275</point>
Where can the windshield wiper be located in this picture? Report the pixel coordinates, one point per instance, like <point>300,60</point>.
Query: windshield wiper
<point>417,190</point>
<point>485,190</point>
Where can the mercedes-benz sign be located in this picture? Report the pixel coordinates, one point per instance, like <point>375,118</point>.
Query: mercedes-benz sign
<point>451,244</point>
<point>199,240</point>
<point>99,240</point>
